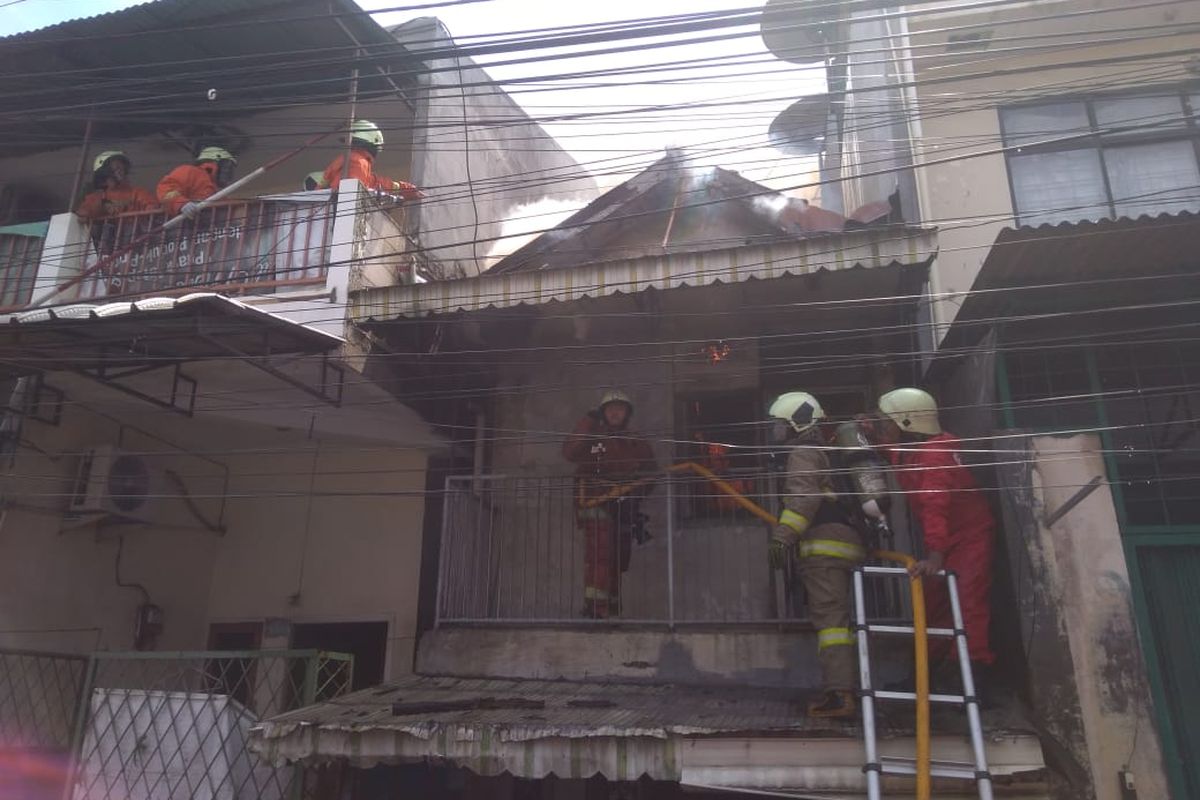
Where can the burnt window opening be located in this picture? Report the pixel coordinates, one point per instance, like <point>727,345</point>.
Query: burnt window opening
<point>723,432</point>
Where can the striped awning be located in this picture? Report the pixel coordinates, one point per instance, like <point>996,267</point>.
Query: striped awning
<point>867,248</point>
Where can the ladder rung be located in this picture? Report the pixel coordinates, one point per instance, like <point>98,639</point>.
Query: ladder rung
<point>908,629</point>
<point>950,699</point>
<point>943,769</point>
<point>884,570</point>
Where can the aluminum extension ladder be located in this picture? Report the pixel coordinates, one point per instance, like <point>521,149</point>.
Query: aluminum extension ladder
<point>875,766</point>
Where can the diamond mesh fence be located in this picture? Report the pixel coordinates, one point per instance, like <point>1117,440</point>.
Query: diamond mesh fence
<point>164,726</point>
<point>39,696</point>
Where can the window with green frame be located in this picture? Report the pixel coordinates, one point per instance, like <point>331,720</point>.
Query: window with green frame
<point>1146,397</point>
<point>1049,390</point>
<point>1152,400</point>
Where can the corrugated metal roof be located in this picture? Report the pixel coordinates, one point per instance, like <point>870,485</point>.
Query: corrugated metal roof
<point>254,52</point>
<point>156,330</point>
<point>869,248</point>
<point>1073,266</point>
<point>573,729</point>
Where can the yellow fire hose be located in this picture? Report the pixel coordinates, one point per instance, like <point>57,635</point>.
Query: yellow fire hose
<point>920,636</point>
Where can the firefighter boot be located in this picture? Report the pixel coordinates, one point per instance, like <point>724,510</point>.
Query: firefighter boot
<point>833,704</point>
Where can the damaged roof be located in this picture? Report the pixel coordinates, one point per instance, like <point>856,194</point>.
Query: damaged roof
<point>534,728</point>
<point>647,215</point>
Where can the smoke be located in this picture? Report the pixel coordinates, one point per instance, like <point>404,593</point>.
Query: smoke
<point>771,205</point>
<point>526,222</point>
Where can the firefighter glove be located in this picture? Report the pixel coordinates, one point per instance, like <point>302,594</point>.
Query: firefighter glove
<point>780,548</point>
<point>190,210</point>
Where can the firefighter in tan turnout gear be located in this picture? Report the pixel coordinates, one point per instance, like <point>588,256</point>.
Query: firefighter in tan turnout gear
<point>820,526</point>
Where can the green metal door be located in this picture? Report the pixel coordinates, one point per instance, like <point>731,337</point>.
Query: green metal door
<point>1169,611</point>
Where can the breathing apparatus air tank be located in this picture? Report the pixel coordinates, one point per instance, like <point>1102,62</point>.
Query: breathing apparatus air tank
<point>865,471</point>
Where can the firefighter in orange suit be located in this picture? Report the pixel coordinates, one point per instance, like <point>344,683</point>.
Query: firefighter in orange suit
<point>819,528</point>
<point>112,192</point>
<point>607,455</point>
<point>181,190</point>
<point>366,142</point>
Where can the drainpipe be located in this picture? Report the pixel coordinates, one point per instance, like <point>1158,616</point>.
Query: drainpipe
<point>77,181</point>
<point>902,58</point>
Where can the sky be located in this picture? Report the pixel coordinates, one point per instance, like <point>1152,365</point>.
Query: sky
<point>731,134</point>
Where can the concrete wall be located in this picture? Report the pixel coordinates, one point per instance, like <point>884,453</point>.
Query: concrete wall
<point>479,154</point>
<point>322,529</point>
<point>1087,676</point>
<point>747,657</point>
<point>348,552</point>
<point>58,582</point>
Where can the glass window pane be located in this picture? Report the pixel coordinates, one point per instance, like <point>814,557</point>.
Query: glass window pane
<point>1066,186</point>
<point>1144,114</point>
<point>1154,178</point>
<point>1038,123</point>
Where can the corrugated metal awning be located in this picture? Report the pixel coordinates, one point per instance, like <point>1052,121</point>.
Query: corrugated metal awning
<point>868,248</point>
<point>150,331</point>
<point>1077,266</point>
<point>719,735</point>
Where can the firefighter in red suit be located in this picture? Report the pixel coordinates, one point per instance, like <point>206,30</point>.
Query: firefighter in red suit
<point>607,455</point>
<point>954,517</point>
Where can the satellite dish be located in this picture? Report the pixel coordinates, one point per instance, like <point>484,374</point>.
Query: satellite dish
<point>800,129</point>
<point>801,31</point>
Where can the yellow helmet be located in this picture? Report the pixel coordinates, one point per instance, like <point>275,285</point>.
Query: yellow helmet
<point>798,409</point>
<point>914,410</point>
<point>103,158</point>
<point>215,154</point>
<point>615,396</point>
<point>367,132</point>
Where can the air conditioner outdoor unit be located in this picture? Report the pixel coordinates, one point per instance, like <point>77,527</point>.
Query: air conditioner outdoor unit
<point>112,483</point>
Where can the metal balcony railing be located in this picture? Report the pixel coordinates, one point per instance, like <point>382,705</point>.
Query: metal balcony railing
<point>247,246</point>
<point>513,551</point>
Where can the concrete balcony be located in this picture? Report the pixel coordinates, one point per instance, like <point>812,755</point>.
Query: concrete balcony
<point>297,254</point>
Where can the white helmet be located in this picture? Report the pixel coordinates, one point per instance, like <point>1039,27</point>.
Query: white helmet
<point>213,153</point>
<point>798,409</point>
<point>102,159</point>
<point>914,410</point>
<point>368,133</point>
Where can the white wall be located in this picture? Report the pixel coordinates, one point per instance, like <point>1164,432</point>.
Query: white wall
<point>355,525</point>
